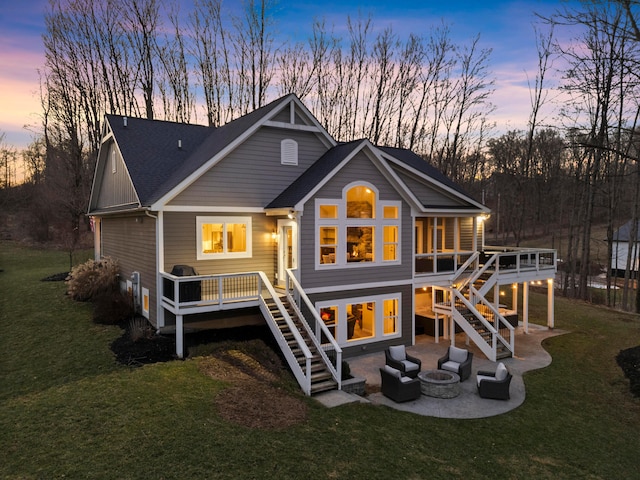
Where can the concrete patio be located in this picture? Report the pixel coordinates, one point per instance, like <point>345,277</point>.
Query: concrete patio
<point>529,355</point>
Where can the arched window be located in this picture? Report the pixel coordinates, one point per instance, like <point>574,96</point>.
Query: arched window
<point>357,229</point>
<point>361,202</point>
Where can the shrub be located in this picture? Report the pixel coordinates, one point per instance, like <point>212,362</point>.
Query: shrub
<point>112,308</point>
<point>93,278</point>
<point>140,329</point>
<point>346,370</point>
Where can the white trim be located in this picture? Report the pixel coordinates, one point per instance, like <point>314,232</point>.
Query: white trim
<point>358,286</point>
<point>212,209</point>
<point>291,126</point>
<point>159,269</point>
<point>225,254</point>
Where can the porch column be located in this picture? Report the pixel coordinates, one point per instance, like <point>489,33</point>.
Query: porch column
<point>514,300</point>
<point>436,328</point>
<point>525,306</point>
<point>179,336</point>
<point>550,303</point>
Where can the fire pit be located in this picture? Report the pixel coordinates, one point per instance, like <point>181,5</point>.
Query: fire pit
<point>439,383</point>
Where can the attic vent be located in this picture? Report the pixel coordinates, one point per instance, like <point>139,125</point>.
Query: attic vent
<point>124,121</point>
<point>179,143</point>
<point>289,152</point>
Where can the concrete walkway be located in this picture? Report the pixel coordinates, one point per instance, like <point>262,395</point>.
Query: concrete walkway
<point>529,356</point>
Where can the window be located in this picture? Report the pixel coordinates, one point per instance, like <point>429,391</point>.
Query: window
<point>360,202</point>
<point>362,320</point>
<point>360,244</point>
<point>358,229</point>
<point>223,237</point>
<point>390,238</point>
<point>390,312</point>
<point>289,152</point>
<point>328,244</point>
<point>145,302</point>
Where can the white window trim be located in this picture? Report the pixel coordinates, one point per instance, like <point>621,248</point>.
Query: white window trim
<point>341,326</point>
<point>342,222</point>
<point>200,255</point>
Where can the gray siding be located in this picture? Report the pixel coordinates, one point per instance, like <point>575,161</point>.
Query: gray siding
<point>131,241</point>
<point>428,195</point>
<point>116,188</point>
<point>180,246</point>
<point>252,174</point>
<point>360,168</point>
<point>406,309</point>
<point>466,233</point>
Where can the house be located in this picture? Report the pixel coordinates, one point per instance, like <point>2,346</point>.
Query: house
<point>625,243</point>
<point>340,248</point>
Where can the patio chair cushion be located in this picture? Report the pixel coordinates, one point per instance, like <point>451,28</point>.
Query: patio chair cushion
<point>410,366</point>
<point>457,355</point>
<point>393,371</point>
<point>398,353</point>
<point>406,379</point>
<point>501,372</point>
<point>488,378</point>
<point>451,366</point>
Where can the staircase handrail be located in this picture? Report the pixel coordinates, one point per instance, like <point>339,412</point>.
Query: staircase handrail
<point>500,320</point>
<point>463,268</point>
<point>304,380</point>
<point>336,371</point>
<point>488,349</point>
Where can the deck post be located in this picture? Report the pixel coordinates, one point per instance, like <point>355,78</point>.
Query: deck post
<point>550,304</point>
<point>179,336</point>
<point>525,306</point>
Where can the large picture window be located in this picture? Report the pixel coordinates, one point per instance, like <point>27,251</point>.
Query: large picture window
<point>223,237</point>
<point>363,319</point>
<point>358,229</point>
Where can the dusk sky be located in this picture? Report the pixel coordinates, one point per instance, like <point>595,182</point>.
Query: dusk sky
<point>505,26</point>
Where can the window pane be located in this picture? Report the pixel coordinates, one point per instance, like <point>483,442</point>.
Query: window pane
<point>390,316</point>
<point>390,242</point>
<point>329,316</point>
<point>328,211</point>
<point>390,212</point>
<point>212,238</point>
<point>360,244</point>
<point>236,237</point>
<point>328,244</point>
<point>360,320</point>
<point>360,203</point>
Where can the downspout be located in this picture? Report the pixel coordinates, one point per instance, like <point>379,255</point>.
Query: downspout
<point>159,309</point>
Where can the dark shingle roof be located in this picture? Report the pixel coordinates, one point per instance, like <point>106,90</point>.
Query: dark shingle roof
<point>156,164</point>
<point>416,162</point>
<point>150,149</point>
<point>331,159</point>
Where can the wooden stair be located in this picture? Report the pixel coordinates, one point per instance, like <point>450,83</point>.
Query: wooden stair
<point>321,378</point>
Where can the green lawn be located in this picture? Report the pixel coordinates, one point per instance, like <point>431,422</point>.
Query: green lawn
<point>68,410</point>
